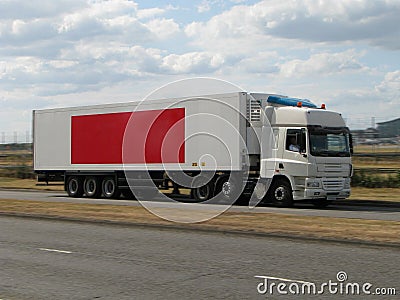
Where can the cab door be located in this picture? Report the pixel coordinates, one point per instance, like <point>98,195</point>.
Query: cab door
<point>294,160</point>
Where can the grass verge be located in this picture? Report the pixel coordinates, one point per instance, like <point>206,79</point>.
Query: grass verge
<point>267,223</point>
<point>378,194</point>
<point>15,183</point>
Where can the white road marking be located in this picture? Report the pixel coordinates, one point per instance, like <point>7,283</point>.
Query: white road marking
<point>283,279</point>
<point>55,250</point>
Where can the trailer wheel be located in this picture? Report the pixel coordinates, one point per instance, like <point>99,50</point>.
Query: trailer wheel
<point>109,188</point>
<point>204,192</point>
<point>91,187</point>
<point>281,193</point>
<point>228,189</point>
<point>74,186</point>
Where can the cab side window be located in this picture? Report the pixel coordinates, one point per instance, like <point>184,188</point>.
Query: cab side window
<point>295,140</point>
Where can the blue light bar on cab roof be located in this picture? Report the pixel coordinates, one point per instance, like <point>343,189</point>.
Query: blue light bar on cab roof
<point>290,101</point>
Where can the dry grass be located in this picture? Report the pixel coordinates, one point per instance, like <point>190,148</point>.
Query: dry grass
<point>382,194</point>
<point>367,163</point>
<point>14,183</point>
<point>16,152</point>
<point>377,148</point>
<point>317,227</point>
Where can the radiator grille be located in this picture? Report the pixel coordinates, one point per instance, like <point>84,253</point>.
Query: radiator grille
<point>333,167</point>
<point>331,185</point>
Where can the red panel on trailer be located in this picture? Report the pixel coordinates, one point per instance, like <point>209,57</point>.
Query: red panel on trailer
<point>153,136</point>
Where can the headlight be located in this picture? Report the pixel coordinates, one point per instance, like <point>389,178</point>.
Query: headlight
<point>313,184</point>
<point>347,183</point>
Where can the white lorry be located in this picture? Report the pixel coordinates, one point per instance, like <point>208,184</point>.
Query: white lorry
<point>272,147</point>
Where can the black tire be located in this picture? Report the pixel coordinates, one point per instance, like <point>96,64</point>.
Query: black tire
<point>228,190</point>
<point>109,188</point>
<point>321,203</point>
<point>74,187</point>
<point>204,192</point>
<point>281,193</point>
<point>92,187</point>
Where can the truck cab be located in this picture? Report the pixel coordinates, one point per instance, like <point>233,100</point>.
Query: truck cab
<point>311,156</point>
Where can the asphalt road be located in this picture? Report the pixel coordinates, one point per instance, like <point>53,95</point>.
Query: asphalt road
<point>50,259</point>
<point>338,211</point>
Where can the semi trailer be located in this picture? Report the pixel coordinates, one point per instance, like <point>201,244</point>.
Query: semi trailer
<point>226,146</point>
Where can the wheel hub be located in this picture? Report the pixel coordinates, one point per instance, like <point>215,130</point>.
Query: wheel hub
<point>73,186</point>
<point>227,188</point>
<point>279,193</point>
<point>109,188</point>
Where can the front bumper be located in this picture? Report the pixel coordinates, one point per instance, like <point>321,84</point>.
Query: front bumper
<point>329,188</point>
<point>330,195</point>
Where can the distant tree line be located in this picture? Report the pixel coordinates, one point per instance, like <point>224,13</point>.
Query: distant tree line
<point>15,146</point>
<point>363,178</point>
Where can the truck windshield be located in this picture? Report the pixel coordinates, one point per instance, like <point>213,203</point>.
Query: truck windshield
<point>329,142</point>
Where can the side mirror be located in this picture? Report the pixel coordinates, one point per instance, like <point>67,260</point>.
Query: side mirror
<point>351,143</point>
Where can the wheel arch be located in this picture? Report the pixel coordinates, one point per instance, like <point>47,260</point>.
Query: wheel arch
<point>283,178</point>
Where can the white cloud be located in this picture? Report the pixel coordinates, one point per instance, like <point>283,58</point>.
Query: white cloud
<point>53,51</point>
<point>19,32</point>
<point>86,46</point>
<point>116,20</point>
<point>374,22</point>
<point>391,85</point>
<point>200,62</point>
<point>358,106</point>
<point>18,27</point>
<point>35,9</point>
<point>323,64</point>
<point>11,69</point>
<point>150,12</point>
<point>163,28</point>
<point>102,18</point>
<point>262,62</point>
<point>204,6</point>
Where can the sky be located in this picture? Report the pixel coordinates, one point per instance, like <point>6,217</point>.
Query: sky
<point>62,53</point>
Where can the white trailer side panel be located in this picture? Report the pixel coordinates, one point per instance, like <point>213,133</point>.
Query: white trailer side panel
<point>214,134</point>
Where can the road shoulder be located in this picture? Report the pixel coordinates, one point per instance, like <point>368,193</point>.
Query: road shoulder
<point>374,232</point>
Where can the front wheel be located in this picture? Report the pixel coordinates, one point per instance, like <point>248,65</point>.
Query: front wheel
<point>281,193</point>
